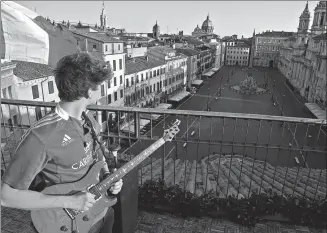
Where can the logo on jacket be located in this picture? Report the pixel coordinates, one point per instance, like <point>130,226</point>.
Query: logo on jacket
<point>66,140</point>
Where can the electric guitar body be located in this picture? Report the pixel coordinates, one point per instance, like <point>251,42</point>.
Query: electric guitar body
<point>59,220</point>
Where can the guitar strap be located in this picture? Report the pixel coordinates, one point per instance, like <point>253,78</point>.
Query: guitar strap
<point>94,136</point>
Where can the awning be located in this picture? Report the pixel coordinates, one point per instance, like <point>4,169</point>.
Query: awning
<point>179,96</point>
<point>316,110</point>
<point>209,73</point>
<point>163,106</point>
<point>129,126</point>
<point>155,116</point>
<point>197,82</point>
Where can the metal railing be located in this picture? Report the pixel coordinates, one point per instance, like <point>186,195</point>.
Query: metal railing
<point>228,153</point>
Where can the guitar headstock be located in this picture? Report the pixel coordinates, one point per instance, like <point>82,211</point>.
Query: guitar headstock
<point>170,133</point>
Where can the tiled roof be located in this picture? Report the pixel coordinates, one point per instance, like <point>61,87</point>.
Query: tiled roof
<point>321,37</point>
<point>138,64</point>
<point>188,51</point>
<point>275,34</point>
<point>139,38</point>
<point>99,36</point>
<point>194,41</point>
<point>31,71</point>
<point>163,49</point>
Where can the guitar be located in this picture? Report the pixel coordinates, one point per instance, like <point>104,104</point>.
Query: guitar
<point>58,220</point>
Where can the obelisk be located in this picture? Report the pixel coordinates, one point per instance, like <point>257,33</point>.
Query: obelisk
<point>252,50</point>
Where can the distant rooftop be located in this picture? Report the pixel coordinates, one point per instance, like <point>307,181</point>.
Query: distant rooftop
<point>188,51</point>
<point>163,49</point>
<point>194,41</point>
<point>276,34</point>
<point>99,36</point>
<point>138,64</point>
<point>31,71</point>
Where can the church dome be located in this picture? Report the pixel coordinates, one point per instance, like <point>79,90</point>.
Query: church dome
<point>197,28</point>
<point>207,25</point>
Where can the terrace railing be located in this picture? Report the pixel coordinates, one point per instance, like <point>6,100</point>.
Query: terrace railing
<point>228,153</point>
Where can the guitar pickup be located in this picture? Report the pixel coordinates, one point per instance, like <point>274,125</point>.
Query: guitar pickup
<point>71,213</point>
<point>92,189</point>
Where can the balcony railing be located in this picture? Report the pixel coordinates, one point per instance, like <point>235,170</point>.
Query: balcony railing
<point>228,153</point>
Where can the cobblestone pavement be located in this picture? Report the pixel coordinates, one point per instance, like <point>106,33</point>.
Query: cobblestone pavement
<point>19,221</point>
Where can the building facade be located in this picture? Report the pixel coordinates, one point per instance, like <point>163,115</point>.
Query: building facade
<point>303,56</point>
<point>267,47</point>
<point>144,79</point>
<point>192,60</point>
<point>237,53</point>
<point>176,67</point>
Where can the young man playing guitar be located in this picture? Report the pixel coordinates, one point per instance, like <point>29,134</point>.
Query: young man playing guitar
<point>60,148</point>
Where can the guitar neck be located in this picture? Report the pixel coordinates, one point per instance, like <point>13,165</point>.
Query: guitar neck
<point>104,185</point>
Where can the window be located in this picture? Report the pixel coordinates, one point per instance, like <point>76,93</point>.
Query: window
<point>132,80</point>
<point>154,73</point>
<point>115,96</point>
<point>121,79</point>
<point>322,18</point>
<point>38,113</point>
<point>137,78</point>
<point>4,93</point>
<point>109,99</point>
<point>102,90</point>
<point>120,64</point>
<point>154,87</point>
<point>50,87</point>
<point>94,47</point>
<point>121,94</point>
<point>146,76</point>
<point>114,65</point>
<point>127,83</point>
<point>141,77</point>
<point>115,81</point>
<point>150,89</point>
<point>118,46</point>
<point>9,92</point>
<point>35,91</point>
<point>106,48</point>
<point>109,83</point>
<point>158,72</point>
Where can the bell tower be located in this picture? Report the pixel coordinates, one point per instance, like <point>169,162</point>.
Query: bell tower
<point>103,18</point>
<point>319,24</point>
<point>304,20</point>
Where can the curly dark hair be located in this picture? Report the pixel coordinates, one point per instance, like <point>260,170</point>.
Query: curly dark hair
<point>75,74</point>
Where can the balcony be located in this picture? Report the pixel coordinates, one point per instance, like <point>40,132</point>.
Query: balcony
<point>224,159</point>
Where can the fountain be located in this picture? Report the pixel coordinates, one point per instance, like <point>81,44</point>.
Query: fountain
<point>248,86</point>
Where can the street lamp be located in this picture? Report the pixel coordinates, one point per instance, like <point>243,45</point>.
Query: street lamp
<point>208,97</point>
<point>282,108</point>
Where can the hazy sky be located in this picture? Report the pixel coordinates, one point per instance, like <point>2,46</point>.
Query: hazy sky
<point>228,17</point>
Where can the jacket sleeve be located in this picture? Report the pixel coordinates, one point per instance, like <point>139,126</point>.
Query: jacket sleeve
<point>29,159</point>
